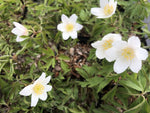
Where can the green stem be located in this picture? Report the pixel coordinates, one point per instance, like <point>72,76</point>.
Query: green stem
<point>146,47</point>
<point>111,19</point>
<point>147,79</point>
<point>137,106</point>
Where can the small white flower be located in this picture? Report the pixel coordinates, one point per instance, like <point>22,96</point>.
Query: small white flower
<point>19,30</point>
<point>107,9</point>
<point>38,89</point>
<point>69,27</point>
<point>129,54</point>
<point>104,47</point>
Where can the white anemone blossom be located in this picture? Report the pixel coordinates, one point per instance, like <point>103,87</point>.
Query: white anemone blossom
<point>107,9</point>
<point>129,54</point>
<point>38,89</point>
<point>69,27</point>
<point>104,48</point>
<point>19,30</point>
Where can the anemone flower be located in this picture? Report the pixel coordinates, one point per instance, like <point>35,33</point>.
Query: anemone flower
<point>104,47</point>
<point>69,27</point>
<point>106,9</point>
<point>19,30</point>
<point>38,89</point>
<point>129,54</point>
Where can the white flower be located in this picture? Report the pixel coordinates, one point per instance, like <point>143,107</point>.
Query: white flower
<point>19,30</point>
<point>104,47</point>
<point>107,9</point>
<point>38,89</point>
<point>69,27</point>
<point>129,54</point>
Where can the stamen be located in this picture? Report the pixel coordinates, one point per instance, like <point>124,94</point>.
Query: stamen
<point>128,53</point>
<point>107,44</point>
<point>69,27</point>
<point>38,88</point>
<point>108,9</point>
<point>25,32</point>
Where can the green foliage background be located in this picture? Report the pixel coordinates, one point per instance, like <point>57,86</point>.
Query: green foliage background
<point>92,87</point>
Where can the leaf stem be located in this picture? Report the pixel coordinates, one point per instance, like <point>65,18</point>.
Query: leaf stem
<point>137,106</point>
<point>146,47</point>
<point>147,79</point>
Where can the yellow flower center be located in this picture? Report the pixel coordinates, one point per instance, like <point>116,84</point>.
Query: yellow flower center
<point>107,44</point>
<point>69,27</point>
<point>38,88</point>
<point>128,53</point>
<point>25,33</point>
<point>108,9</point>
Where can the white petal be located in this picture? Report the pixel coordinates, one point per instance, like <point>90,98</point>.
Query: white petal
<point>43,75</point>
<point>115,37</point>
<point>64,18</point>
<point>19,25</point>
<point>111,1</point>
<point>47,79</point>
<point>65,35</point>
<point>135,65</point>
<point>104,16</point>
<point>100,53</point>
<point>119,44</point>
<point>34,100</point>
<point>48,88</point>
<point>43,96</point>
<point>78,27</point>
<point>142,54</point>
<point>111,54</point>
<point>21,30</point>
<point>114,6</point>
<point>61,27</point>
<point>97,44</point>
<point>121,65</point>
<point>19,39</point>
<point>73,34</point>
<point>73,18</point>
<point>134,41</point>
<point>41,78</point>
<point>26,91</point>
<point>99,12</point>
<point>17,31</point>
<point>108,36</point>
<point>103,3</point>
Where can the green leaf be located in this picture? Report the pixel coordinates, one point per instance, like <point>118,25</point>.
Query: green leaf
<point>103,84</point>
<point>3,83</point>
<point>82,73</point>
<point>110,95</point>
<point>94,81</point>
<point>132,84</point>
<point>83,84</point>
<point>84,15</point>
<point>63,57</point>
<point>136,107</point>
<point>23,49</point>
<point>110,108</point>
<point>64,66</point>
<point>49,62</point>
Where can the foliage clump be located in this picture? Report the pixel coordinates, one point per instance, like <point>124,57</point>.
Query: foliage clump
<point>81,83</point>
